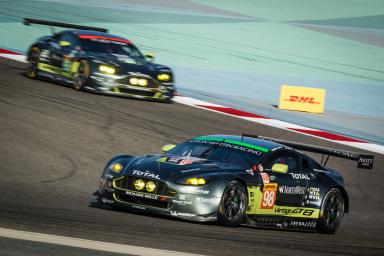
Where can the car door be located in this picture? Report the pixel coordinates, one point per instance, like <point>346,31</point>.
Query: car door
<point>291,182</point>
<point>62,52</point>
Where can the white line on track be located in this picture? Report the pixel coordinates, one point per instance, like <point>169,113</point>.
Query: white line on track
<point>88,244</point>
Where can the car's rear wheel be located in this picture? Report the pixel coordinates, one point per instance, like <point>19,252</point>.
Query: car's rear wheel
<point>33,61</point>
<point>331,212</point>
<point>82,75</point>
<point>233,205</point>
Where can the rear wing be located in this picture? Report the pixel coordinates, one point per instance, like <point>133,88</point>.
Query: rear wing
<point>363,161</point>
<point>27,22</point>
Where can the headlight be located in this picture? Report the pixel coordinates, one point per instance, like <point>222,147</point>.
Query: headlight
<point>163,77</point>
<point>151,186</point>
<point>138,81</point>
<point>117,167</point>
<point>195,181</point>
<point>107,69</point>
<point>139,184</point>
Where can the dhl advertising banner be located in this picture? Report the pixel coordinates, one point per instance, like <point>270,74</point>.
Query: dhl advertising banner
<point>302,99</point>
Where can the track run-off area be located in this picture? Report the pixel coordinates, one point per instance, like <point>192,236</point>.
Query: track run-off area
<point>55,142</point>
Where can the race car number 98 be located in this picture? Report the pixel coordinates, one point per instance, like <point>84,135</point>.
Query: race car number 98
<point>269,196</point>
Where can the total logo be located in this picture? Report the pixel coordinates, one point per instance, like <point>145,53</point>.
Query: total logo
<point>302,99</point>
<point>147,174</point>
<point>300,176</point>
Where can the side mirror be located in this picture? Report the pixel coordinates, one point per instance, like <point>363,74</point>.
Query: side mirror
<point>280,168</point>
<point>149,57</point>
<point>64,43</point>
<point>167,147</point>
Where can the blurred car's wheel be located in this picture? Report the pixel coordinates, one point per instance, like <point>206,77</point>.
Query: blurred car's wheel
<point>331,212</point>
<point>33,61</point>
<point>82,75</point>
<point>233,204</point>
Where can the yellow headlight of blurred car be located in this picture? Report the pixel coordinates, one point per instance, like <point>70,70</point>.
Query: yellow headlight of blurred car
<point>151,186</point>
<point>107,69</point>
<point>195,181</point>
<point>142,82</point>
<point>117,167</point>
<point>163,77</point>
<point>139,184</point>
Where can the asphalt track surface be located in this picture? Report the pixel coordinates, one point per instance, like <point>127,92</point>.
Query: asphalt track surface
<point>55,142</point>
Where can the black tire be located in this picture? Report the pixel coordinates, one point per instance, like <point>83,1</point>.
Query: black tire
<point>233,205</point>
<point>33,61</point>
<point>331,212</point>
<point>82,75</point>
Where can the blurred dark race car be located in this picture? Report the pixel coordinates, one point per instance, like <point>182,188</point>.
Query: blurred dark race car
<point>233,180</point>
<point>90,59</point>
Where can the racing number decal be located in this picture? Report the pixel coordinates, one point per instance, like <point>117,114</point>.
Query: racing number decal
<point>269,196</point>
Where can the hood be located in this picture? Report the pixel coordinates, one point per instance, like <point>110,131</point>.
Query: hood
<point>127,65</point>
<point>171,167</point>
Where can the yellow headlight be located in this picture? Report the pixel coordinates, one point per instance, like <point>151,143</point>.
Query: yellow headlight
<point>139,184</point>
<point>117,167</point>
<point>151,186</point>
<point>133,81</point>
<point>195,181</point>
<point>142,82</point>
<point>107,69</point>
<point>163,77</point>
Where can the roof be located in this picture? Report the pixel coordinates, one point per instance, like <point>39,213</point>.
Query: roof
<point>99,35</point>
<point>258,144</point>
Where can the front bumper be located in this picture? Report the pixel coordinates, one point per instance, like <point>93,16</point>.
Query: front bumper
<point>119,85</point>
<point>186,202</point>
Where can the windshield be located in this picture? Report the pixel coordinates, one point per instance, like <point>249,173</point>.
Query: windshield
<point>111,47</point>
<point>217,151</point>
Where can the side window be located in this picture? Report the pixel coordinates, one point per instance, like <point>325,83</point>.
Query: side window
<point>283,157</point>
<point>69,38</point>
<point>309,164</point>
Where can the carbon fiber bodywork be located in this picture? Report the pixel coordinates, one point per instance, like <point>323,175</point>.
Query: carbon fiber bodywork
<point>298,194</point>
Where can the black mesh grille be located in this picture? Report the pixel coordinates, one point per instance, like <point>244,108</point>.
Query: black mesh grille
<point>137,92</point>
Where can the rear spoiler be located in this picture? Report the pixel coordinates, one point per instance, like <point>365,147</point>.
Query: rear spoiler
<point>27,22</point>
<point>363,161</point>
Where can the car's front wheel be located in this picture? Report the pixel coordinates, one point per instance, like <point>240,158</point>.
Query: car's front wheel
<point>331,212</point>
<point>82,75</point>
<point>33,61</point>
<point>233,205</point>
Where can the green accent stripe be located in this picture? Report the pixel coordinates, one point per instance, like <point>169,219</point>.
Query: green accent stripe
<point>234,142</point>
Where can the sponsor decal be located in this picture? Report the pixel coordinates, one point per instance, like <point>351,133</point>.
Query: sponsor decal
<point>143,195</point>
<point>302,224</point>
<point>265,177</point>
<point>208,199</point>
<point>314,193</point>
<point>297,190</point>
<point>319,170</point>
<point>191,170</point>
<point>228,145</point>
<point>250,171</point>
<point>180,160</point>
<point>182,214</point>
<point>365,161</point>
<point>269,196</point>
<point>302,99</point>
<point>139,207</point>
<point>260,167</point>
<point>295,211</point>
<point>146,174</point>
<point>300,176</point>
<point>181,202</point>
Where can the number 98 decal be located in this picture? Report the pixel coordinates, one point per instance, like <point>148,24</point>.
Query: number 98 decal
<point>269,196</point>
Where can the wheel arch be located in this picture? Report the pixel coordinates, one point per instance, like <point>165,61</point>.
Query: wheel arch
<point>345,197</point>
